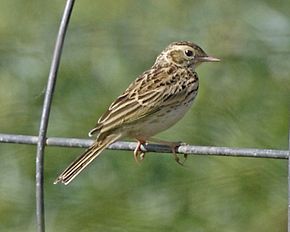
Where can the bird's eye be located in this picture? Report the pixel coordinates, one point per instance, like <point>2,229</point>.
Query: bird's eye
<point>188,52</point>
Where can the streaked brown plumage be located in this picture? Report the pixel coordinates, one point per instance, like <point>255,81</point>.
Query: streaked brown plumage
<point>155,101</point>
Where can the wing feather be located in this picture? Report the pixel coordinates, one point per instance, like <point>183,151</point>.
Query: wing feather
<point>134,103</point>
<point>145,96</point>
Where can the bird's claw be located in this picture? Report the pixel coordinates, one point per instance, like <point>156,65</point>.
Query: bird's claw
<point>139,155</point>
<point>176,157</point>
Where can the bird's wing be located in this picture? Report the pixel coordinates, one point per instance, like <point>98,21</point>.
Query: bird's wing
<point>142,98</point>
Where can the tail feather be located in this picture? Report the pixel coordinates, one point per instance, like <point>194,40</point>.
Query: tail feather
<point>85,159</point>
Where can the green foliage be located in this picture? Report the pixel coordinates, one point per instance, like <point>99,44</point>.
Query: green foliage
<point>243,102</point>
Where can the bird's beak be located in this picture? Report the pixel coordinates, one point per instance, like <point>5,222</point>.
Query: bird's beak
<point>208,59</point>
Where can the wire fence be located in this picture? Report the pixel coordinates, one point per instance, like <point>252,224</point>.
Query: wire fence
<point>130,146</point>
<point>42,141</point>
<point>45,115</point>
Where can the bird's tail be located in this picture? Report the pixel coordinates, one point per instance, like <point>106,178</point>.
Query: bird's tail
<point>85,159</point>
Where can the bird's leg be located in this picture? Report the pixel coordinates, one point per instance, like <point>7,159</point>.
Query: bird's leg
<point>173,146</point>
<point>138,152</point>
<point>177,159</point>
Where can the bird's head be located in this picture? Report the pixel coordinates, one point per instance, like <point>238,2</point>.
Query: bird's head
<point>184,54</point>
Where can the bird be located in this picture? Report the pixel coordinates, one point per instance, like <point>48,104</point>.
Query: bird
<point>152,103</point>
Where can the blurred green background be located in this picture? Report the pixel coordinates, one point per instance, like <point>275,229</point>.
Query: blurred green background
<point>243,102</point>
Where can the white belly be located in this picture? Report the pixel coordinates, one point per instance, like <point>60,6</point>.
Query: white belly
<point>159,121</point>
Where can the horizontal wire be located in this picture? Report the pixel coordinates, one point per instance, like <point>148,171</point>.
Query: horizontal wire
<point>130,146</point>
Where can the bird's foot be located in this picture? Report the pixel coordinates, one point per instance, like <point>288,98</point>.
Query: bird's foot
<point>174,148</point>
<point>139,155</point>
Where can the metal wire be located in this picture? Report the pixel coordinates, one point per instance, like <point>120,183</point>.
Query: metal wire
<point>130,146</point>
<point>40,222</point>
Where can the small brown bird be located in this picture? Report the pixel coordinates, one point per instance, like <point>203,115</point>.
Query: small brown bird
<point>155,101</point>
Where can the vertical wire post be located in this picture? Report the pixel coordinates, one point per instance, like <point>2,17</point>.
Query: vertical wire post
<point>40,222</point>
